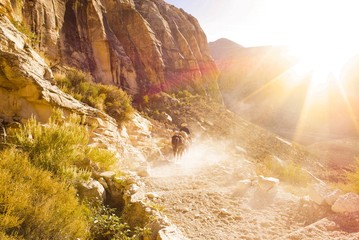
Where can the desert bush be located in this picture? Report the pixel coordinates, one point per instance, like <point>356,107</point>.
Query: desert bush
<point>352,184</point>
<point>32,37</point>
<point>34,205</point>
<point>183,94</point>
<point>114,101</point>
<point>57,145</point>
<point>288,172</point>
<point>60,146</point>
<point>105,159</point>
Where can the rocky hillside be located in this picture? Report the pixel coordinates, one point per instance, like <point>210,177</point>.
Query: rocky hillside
<point>260,84</point>
<point>248,78</point>
<point>141,46</point>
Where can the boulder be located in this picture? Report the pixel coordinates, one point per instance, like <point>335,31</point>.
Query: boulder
<point>107,175</point>
<point>152,195</point>
<point>347,203</point>
<point>92,191</point>
<point>333,196</point>
<point>143,171</point>
<point>319,192</point>
<point>267,183</point>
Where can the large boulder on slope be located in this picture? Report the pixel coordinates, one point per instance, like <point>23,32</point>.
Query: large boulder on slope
<point>347,203</point>
<point>92,191</point>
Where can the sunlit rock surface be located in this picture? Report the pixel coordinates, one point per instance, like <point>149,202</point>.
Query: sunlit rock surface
<point>140,46</point>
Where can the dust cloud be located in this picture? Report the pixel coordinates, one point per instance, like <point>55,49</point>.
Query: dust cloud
<point>200,154</point>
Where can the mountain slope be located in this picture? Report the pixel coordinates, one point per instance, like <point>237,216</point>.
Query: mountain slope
<point>203,198</point>
<point>224,48</point>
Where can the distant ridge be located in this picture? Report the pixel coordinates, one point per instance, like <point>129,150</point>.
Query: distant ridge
<point>223,47</point>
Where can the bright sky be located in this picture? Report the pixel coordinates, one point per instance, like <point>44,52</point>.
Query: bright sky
<point>277,22</point>
<point>322,34</point>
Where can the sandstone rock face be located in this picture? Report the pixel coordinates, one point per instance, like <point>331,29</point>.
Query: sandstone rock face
<point>26,91</point>
<point>25,87</point>
<point>142,46</point>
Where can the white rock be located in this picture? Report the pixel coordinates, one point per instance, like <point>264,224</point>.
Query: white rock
<point>134,188</point>
<point>332,197</point>
<point>346,203</point>
<point>319,192</point>
<point>267,183</point>
<point>168,117</point>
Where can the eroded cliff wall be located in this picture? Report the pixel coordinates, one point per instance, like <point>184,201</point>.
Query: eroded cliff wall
<point>142,46</point>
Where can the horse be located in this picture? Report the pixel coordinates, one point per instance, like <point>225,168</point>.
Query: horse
<point>179,143</point>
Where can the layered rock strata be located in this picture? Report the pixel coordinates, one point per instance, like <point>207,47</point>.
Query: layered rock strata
<point>141,46</point>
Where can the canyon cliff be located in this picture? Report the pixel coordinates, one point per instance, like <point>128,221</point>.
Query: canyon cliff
<point>140,46</point>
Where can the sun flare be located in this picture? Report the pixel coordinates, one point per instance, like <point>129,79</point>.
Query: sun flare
<point>321,34</point>
<point>324,65</point>
<point>323,38</point>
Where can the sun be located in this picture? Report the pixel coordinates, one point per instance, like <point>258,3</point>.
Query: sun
<point>322,35</point>
<point>325,63</point>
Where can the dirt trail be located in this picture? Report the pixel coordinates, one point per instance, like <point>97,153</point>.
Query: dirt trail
<point>202,198</point>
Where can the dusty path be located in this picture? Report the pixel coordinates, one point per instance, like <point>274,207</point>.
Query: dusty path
<point>203,201</point>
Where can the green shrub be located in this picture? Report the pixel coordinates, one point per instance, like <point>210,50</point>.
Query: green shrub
<point>32,37</point>
<point>60,146</point>
<point>146,99</point>
<point>106,224</point>
<point>108,98</point>
<point>183,94</point>
<point>105,159</point>
<point>117,103</point>
<point>57,145</point>
<point>36,206</point>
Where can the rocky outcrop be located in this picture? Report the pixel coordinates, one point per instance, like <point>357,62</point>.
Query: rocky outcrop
<point>92,191</point>
<point>141,46</point>
<point>25,81</point>
<point>26,91</point>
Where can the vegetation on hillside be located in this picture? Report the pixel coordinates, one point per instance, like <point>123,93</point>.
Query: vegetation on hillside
<point>289,171</point>
<point>352,183</point>
<point>40,168</point>
<point>215,123</point>
<point>114,101</point>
